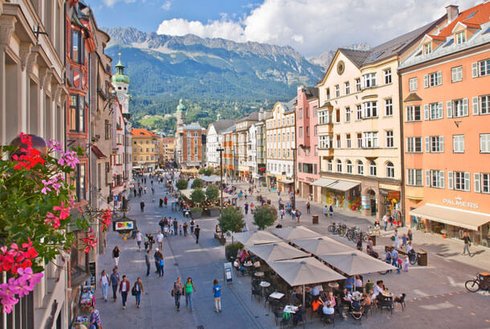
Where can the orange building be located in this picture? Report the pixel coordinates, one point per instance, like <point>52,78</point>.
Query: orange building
<point>446,127</point>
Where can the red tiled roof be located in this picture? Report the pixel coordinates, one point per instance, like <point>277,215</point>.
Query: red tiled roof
<point>98,153</point>
<point>141,132</point>
<point>472,17</point>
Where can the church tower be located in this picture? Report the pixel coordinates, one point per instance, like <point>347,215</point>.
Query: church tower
<point>121,85</point>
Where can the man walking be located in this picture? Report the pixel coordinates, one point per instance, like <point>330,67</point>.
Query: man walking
<point>124,287</point>
<point>114,282</point>
<point>467,243</point>
<point>139,238</point>
<point>142,206</point>
<point>147,262</point>
<point>197,230</point>
<point>160,240</point>
<point>177,292</point>
<point>308,207</point>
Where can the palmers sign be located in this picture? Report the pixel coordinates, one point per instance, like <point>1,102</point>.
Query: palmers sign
<point>459,202</point>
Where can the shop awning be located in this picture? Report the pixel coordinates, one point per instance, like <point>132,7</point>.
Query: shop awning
<point>286,181</point>
<point>470,220</point>
<point>343,185</point>
<point>323,182</point>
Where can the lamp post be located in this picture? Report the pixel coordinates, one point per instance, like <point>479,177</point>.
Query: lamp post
<point>293,201</point>
<point>221,150</point>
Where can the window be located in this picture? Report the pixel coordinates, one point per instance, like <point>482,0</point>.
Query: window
<point>325,142</point>
<point>337,115</point>
<point>300,132</point>
<point>348,140</point>
<point>347,87</point>
<point>390,139</point>
<point>412,84</point>
<point>434,178</point>
<point>339,166</point>
<point>458,180</point>
<point>456,74</point>
<point>327,91</point>
<point>457,108</point>
<point>370,139</point>
<point>77,113</point>
<point>484,143</point>
<point>107,130</point>
<point>370,109</point>
<point>481,68</point>
<point>458,143</point>
<point>434,144</point>
<point>337,91</point>
<point>433,111</point>
<point>360,167</point>
<point>390,170</point>
<point>427,48</point>
<point>329,165</point>
<point>482,183</point>
<point>359,140</point>
<point>369,80</point>
<point>433,79</point>
<point>481,105</point>
<point>389,107</point>
<point>413,113</point>
<point>349,167</point>
<point>359,112</point>
<point>414,144</point>
<point>387,76</point>
<point>315,130</point>
<point>358,84</point>
<point>80,187</point>
<point>372,168</point>
<point>338,143</point>
<point>324,117</point>
<point>460,37</point>
<point>414,177</point>
<point>76,51</point>
<point>347,114</point>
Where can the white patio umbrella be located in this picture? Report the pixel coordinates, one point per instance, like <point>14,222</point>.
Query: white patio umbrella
<point>355,262</point>
<point>322,245</point>
<point>276,251</point>
<point>253,238</point>
<point>297,232</point>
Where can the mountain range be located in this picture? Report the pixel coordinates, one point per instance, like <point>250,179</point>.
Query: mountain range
<point>213,75</point>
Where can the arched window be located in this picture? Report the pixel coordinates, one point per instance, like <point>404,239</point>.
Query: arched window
<point>349,166</point>
<point>360,167</point>
<point>390,170</point>
<point>339,166</point>
<point>329,165</point>
<point>372,168</point>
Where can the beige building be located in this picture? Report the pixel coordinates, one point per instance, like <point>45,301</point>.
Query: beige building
<point>145,150</point>
<point>244,148</point>
<point>32,100</point>
<point>280,140</point>
<point>359,128</point>
<point>166,151</point>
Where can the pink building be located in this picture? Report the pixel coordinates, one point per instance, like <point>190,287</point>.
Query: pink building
<point>308,163</point>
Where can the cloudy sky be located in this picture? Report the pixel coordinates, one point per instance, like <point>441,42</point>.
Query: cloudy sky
<point>310,26</point>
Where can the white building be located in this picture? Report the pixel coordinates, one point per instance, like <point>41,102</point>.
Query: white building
<point>214,141</point>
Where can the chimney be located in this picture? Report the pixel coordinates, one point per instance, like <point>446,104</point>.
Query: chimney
<point>452,13</point>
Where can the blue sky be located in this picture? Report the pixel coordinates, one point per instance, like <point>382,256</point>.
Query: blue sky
<point>309,26</point>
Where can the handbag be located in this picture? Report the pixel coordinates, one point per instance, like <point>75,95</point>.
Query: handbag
<point>134,292</point>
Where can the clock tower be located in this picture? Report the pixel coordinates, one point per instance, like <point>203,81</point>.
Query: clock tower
<point>121,85</point>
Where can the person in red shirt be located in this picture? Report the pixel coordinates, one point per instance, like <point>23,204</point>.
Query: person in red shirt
<point>124,288</point>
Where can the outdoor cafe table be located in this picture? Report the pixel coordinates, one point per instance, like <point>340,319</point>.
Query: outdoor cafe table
<point>259,274</point>
<point>290,309</point>
<point>276,295</point>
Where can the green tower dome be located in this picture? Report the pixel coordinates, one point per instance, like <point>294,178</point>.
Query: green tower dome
<point>181,107</point>
<point>120,76</point>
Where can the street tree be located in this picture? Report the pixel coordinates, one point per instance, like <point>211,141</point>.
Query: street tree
<point>212,193</point>
<point>265,216</point>
<point>231,219</point>
<point>198,196</point>
<point>181,184</point>
<point>197,183</point>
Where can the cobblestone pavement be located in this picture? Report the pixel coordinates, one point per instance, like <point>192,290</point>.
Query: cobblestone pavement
<point>436,294</point>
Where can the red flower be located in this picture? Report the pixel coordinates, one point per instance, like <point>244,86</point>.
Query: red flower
<point>29,157</point>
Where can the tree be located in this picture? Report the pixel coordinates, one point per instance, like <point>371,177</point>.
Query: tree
<point>208,171</point>
<point>212,193</point>
<point>231,219</point>
<point>181,184</point>
<point>198,196</point>
<point>265,216</point>
<point>197,183</point>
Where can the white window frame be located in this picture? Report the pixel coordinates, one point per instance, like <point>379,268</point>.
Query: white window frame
<point>412,84</point>
<point>485,143</point>
<point>358,84</point>
<point>347,114</point>
<point>457,73</point>
<point>370,109</point>
<point>339,165</point>
<point>388,76</point>
<point>458,143</point>
<point>412,144</point>
<point>459,180</point>
<point>457,108</point>
<point>390,139</point>
<point>390,170</point>
<point>434,111</point>
<point>373,169</point>
<point>360,167</point>
<point>369,80</point>
<point>434,178</point>
<point>337,90</point>
<point>481,68</point>
<point>459,37</point>
<point>433,79</point>
<point>348,166</point>
<point>412,111</point>
<point>347,87</point>
<point>358,112</point>
<point>370,139</point>
<point>389,107</point>
<point>414,177</point>
<point>434,144</point>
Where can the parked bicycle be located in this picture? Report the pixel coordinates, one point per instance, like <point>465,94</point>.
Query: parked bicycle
<point>480,282</point>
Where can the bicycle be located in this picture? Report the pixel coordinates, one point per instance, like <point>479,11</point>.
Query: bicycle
<point>480,282</point>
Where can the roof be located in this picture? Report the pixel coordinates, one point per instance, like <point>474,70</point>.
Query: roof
<point>290,106</point>
<point>357,57</point>
<point>472,17</point>
<point>193,126</point>
<point>228,130</point>
<point>98,153</point>
<point>142,132</point>
<point>222,125</point>
<point>311,92</point>
<point>254,116</point>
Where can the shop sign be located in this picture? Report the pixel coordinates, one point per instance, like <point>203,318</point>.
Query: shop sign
<point>124,225</point>
<point>394,195</point>
<point>459,202</point>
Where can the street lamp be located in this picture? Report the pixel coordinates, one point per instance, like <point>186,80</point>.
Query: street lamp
<point>293,201</point>
<point>221,150</point>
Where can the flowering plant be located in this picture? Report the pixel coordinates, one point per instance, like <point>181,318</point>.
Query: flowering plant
<point>36,198</point>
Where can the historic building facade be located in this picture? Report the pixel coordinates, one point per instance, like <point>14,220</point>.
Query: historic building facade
<point>166,151</point>
<point>446,121</point>
<point>145,144</point>
<point>244,147</point>
<point>214,140</point>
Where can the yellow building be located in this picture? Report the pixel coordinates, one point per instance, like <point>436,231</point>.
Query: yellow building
<point>166,150</point>
<point>145,151</point>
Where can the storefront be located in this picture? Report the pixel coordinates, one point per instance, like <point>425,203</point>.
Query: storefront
<point>452,222</point>
<point>340,193</point>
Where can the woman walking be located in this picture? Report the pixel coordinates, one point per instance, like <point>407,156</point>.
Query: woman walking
<point>137,291</point>
<point>104,283</point>
<point>177,292</point>
<point>189,289</point>
<point>124,287</point>
<point>217,296</point>
<point>115,255</point>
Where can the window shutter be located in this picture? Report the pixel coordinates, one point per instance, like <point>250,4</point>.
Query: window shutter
<point>426,112</point>
<point>426,81</point>
<point>450,180</point>
<point>427,144</point>
<point>441,143</point>
<point>439,78</point>
<point>449,109</point>
<point>427,178</point>
<point>466,181</point>
<point>474,70</point>
<point>476,182</point>
<point>441,179</point>
<point>440,110</point>
<point>465,106</point>
<point>476,111</point>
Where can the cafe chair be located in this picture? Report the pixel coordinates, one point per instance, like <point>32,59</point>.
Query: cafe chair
<point>277,314</point>
<point>257,292</point>
<point>400,300</point>
<point>329,319</point>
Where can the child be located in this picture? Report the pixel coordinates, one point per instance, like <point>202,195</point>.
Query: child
<point>180,229</point>
<point>400,263</point>
<point>405,264</point>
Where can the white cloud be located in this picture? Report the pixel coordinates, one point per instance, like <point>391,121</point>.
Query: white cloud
<point>167,4</point>
<point>312,26</point>
<point>110,3</point>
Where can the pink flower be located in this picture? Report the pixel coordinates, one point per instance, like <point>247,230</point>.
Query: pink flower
<point>52,219</point>
<point>69,159</point>
<point>55,146</point>
<point>64,211</point>
<point>52,184</point>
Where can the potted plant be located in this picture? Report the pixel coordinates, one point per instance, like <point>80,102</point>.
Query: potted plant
<point>181,184</point>
<point>197,183</point>
<point>197,198</point>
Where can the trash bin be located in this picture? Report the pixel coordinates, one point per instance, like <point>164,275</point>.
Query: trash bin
<point>373,238</point>
<point>422,257</point>
<point>314,219</point>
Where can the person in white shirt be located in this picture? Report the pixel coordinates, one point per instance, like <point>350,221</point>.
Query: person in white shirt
<point>104,282</point>
<point>378,288</point>
<point>160,240</point>
<point>139,238</point>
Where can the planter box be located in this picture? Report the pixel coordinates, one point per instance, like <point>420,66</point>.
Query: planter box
<point>214,212</point>
<point>196,214</point>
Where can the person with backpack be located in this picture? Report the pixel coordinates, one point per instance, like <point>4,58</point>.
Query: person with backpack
<point>217,295</point>
<point>115,279</point>
<point>189,290</point>
<point>137,291</point>
<point>104,283</point>
<point>176,292</point>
